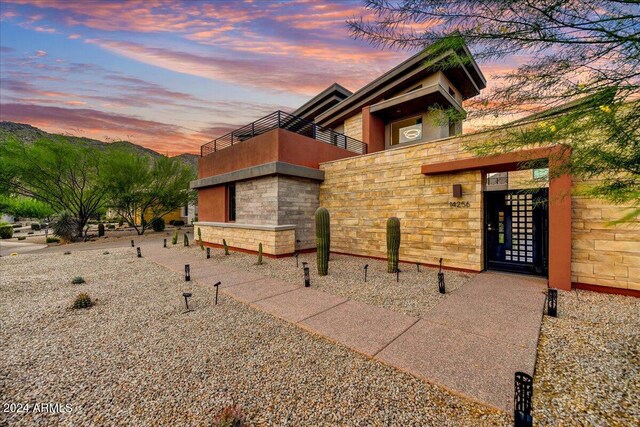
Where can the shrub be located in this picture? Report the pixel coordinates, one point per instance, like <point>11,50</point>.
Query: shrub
<point>111,226</point>
<point>65,226</point>
<point>200,238</point>
<point>226,247</point>
<point>121,222</point>
<point>82,301</point>
<point>22,237</point>
<point>53,240</point>
<point>172,221</point>
<point>231,416</point>
<point>6,231</point>
<point>178,223</point>
<point>77,280</point>
<point>35,226</point>
<point>157,224</point>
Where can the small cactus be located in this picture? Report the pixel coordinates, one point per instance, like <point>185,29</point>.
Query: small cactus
<point>186,239</point>
<point>82,301</point>
<point>260,254</point>
<point>226,247</point>
<point>174,240</point>
<point>200,238</point>
<point>77,280</point>
<point>323,242</point>
<point>393,244</point>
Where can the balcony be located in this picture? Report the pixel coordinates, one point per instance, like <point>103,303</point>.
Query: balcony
<point>289,122</point>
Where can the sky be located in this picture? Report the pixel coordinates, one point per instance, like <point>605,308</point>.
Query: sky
<point>173,75</point>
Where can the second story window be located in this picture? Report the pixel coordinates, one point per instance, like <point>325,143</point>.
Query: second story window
<point>231,202</point>
<point>407,130</point>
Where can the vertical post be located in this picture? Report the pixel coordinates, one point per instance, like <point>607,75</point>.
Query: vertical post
<point>187,273</point>
<point>441,288</point>
<point>366,267</point>
<point>418,266</point>
<point>397,275</point>
<point>215,145</point>
<point>279,121</point>
<point>253,129</point>
<point>231,138</point>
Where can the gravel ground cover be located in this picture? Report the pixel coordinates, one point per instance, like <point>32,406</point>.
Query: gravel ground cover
<point>136,358</point>
<point>415,293</point>
<point>588,368</point>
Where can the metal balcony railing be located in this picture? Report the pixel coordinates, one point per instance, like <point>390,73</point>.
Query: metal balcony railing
<point>282,120</point>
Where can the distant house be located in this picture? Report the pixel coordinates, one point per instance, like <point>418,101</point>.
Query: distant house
<point>386,150</point>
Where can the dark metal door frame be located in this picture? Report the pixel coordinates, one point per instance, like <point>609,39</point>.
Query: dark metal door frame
<point>516,231</point>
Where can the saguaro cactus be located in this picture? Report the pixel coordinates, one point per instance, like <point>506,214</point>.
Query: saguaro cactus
<point>174,239</point>
<point>323,241</point>
<point>393,244</point>
<point>226,248</point>
<point>200,238</point>
<point>260,253</point>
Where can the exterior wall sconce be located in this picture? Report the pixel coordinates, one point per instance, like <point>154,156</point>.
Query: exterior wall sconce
<point>552,302</point>
<point>366,267</point>
<point>457,190</point>
<point>187,273</point>
<point>522,400</point>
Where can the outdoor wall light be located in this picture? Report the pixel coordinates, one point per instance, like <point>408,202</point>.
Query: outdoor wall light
<point>366,267</point>
<point>187,273</point>
<point>552,302</point>
<point>441,279</point>
<point>186,296</point>
<point>139,252</point>
<point>307,279</point>
<point>457,190</point>
<point>208,253</point>
<point>216,285</point>
<point>522,400</point>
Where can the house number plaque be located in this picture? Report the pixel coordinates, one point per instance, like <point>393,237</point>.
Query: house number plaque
<point>459,204</point>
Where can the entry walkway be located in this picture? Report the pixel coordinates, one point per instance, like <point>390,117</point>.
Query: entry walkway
<point>471,343</point>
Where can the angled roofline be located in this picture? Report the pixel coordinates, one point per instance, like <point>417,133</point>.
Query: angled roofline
<point>307,106</point>
<point>424,56</point>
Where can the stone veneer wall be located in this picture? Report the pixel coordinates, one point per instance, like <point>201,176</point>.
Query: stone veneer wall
<point>298,200</point>
<point>280,200</point>
<point>604,254</point>
<point>274,241</point>
<point>353,127</point>
<point>362,192</point>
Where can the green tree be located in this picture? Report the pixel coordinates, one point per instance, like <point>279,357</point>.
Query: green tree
<point>25,207</point>
<point>51,170</point>
<point>141,188</point>
<point>581,70</point>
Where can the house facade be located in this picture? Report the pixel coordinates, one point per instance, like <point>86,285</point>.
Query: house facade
<point>389,150</point>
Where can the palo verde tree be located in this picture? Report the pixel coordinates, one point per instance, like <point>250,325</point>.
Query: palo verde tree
<point>141,188</point>
<point>581,69</point>
<point>62,175</point>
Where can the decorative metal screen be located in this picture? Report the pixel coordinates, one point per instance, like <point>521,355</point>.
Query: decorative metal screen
<point>521,228</point>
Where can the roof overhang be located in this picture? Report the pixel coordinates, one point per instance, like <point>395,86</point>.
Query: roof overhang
<point>326,99</point>
<point>414,101</point>
<point>466,75</point>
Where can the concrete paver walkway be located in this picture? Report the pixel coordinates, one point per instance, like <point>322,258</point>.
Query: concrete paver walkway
<point>471,343</point>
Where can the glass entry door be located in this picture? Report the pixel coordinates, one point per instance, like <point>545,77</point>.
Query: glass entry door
<point>516,235</point>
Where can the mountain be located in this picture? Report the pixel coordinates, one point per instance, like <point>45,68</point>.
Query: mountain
<point>29,134</point>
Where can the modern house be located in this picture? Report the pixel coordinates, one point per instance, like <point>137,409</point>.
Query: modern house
<point>389,150</point>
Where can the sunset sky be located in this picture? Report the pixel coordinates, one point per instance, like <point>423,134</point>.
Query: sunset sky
<point>173,75</point>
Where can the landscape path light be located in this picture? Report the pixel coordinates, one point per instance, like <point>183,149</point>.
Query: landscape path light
<point>208,253</point>
<point>418,266</point>
<point>165,243</point>
<point>552,302</point>
<point>187,273</point>
<point>307,278</point>
<point>295,255</point>
<point>132,244</point>
<point>366,267</point>
<point>441,279</point>
<point>139,252</point>
<point>397,275</point>
<point>522,400</point>
<point>186,296</point>
<point>216,285</point>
